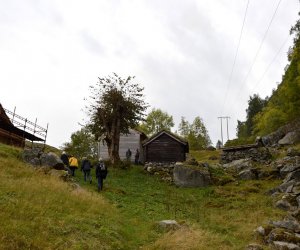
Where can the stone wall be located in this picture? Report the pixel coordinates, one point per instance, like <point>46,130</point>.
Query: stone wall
<point>261,154</point>
<point>164,170</point>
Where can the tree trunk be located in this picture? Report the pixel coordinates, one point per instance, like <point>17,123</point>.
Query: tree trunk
<point>115,136</point>
<point>109,146</point>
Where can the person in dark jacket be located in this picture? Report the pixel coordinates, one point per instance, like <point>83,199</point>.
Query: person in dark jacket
<point>65,159</point>
<point>137,157</point>
<point>86,168</point>
<point>101,172</point>
<point>128,155</point>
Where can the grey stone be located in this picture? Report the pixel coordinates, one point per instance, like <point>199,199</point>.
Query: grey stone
<point>290,138</point>
<point>189,177</point>
<point>247,174</point>
<point>286,186</point>
<point>169,225</point>
<point>32,156</point>
<point>288,169</point>
<point>284,205</point>
<point>254,246</point>
<point>295,175</point>
<point>292,225</point>
<point>260,231</point>
<point>239,165</point>
<point>281,245</point>
<point>52,160</point>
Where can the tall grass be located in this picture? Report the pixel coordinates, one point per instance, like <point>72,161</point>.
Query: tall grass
<point>223,216</point>
<point>39,211</point>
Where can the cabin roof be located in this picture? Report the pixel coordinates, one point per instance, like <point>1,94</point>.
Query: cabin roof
<point>6,124</point>
<point>170,134</point>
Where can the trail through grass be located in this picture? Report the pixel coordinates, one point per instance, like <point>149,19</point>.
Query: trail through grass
<point>39,211</point>
<point>225,216</point>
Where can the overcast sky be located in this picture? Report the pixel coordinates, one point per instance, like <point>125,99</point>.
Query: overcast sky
<point>181,51</point>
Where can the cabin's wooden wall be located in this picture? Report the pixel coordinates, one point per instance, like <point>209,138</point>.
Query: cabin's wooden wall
<point>9,138</point>
<point>164,149</point>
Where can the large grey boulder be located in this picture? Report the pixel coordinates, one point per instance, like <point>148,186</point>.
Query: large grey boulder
<point>51,160</point>
<point>191,177</point>
<point>290,138</point>
<point>32,156</point>
<point>248,174</point>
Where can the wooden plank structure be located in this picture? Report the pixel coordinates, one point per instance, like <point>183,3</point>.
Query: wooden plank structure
<point>132,141</point>
<point>11,132</point>
<point>165,147</point>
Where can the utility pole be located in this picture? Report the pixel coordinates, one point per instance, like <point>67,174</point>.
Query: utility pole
<point>221,118</point>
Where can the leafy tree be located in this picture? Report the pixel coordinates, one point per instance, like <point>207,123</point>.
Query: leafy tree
<point>82,144</point>
<point>283,105</point>
<point>255,106</point>
<point>196,133</point>
<point>116,104</point>
<point>219,144</point>
<point>241,130</point>
<point>156,121</point>
<point>184,127</point>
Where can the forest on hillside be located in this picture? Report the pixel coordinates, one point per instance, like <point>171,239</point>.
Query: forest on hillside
<point>265,115</point>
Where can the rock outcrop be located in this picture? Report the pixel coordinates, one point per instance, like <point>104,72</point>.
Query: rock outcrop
<point>185,176</point>
<point>38,158</point>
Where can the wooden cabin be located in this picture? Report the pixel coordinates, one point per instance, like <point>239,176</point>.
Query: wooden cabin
<point>132,141</point>
<point>165,147</point>
<point>12,135</point>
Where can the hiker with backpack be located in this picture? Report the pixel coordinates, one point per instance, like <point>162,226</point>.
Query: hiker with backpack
<point>101,173</point>
<point>86,168</point>
<point>73,163</point>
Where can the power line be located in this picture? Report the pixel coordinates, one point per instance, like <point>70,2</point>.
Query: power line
<point>270,64</point>
<point>260,46</point>
<point>235,57</point>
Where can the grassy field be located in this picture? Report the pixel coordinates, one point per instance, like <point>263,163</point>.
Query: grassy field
<point>38,211</point>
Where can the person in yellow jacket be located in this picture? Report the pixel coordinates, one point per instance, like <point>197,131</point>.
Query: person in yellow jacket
<point>73,162</point>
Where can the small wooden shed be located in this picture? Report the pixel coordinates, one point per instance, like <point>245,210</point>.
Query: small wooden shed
<point>132,141</point>
<point>165,147</point>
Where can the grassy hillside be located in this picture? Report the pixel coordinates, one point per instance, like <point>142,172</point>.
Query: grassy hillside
<point>38,211</point>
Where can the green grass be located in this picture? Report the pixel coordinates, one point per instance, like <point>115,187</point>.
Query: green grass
<point>38,211</point>
<point>229,214</point>
<point>204,155</point>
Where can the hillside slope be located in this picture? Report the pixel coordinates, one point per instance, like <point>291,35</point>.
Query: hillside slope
<point>39,211</point>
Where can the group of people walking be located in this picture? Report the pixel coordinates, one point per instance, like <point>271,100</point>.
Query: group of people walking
<point>71,165</point>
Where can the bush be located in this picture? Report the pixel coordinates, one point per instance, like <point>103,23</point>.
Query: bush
<point>125,164</point>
